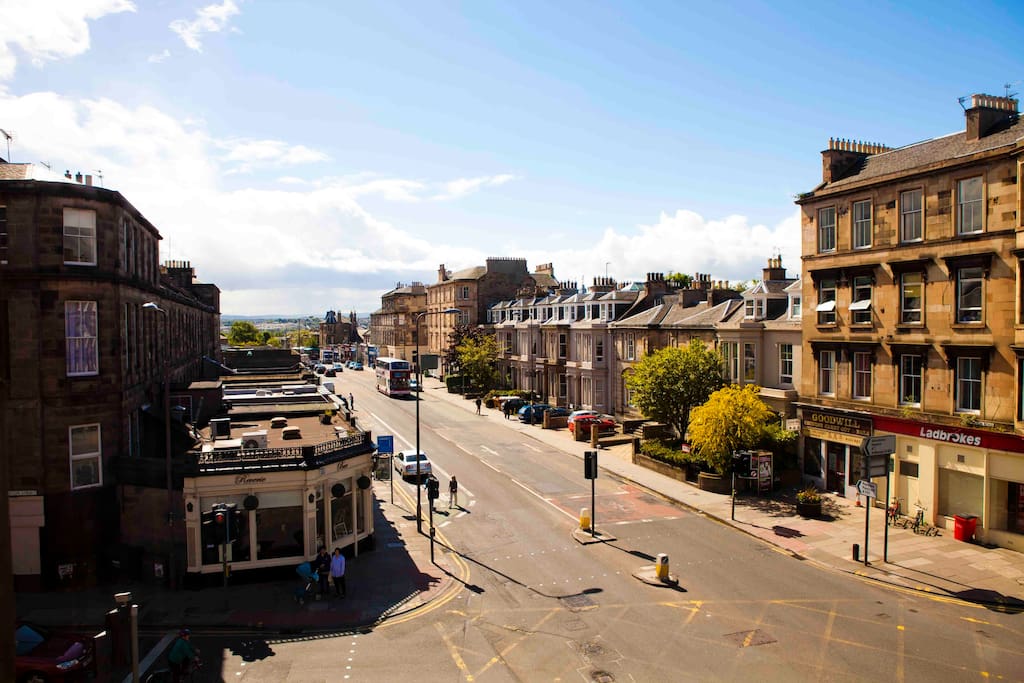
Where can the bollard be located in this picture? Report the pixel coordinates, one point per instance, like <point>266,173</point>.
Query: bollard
<point>661,567</point>
<point>585,519</point>
<point>856,552</point>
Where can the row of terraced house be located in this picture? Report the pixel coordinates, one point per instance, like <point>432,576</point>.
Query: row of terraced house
<point>906,320</point>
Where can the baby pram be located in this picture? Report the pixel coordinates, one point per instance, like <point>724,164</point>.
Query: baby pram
<point>309,582</point>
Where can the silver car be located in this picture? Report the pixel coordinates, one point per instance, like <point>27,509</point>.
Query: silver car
<point>406,464</point>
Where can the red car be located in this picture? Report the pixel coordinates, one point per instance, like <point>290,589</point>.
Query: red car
<point>603,422</point>
<point>42,655</point>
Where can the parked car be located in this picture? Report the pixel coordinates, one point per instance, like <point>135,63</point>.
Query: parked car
<point>340,367</point>
<point>405,464</point>
<point>350,364</point>
<point>577,413</point>
<point>331,372</point>
<point>43,655</point>
<point>532,412</point>
<point>357,366</point>
<point>557,411</point>
<point>414,385</point>
<point>319,369</point>
<point>603,422</point>
<point>514,403</point>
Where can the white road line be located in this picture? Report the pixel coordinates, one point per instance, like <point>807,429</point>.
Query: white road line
<point>532,448</point>
<point>393,430</point>
<point>491,451</point>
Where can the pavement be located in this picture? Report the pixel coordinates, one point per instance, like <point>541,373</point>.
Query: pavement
<point>398,579</point>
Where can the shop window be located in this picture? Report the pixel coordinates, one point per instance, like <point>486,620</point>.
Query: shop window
<point>960,493</point>
<point>909,469</point>
<point>812,458</point>
<point>279,525</point>
<point>341,511</point>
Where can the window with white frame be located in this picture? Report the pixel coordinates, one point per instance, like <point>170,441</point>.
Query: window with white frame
<point>4,243</point>
<point>464,317</point>
<point>861,375</point>
<point>911,216</point>
<point>627,396</point>
<point>749,363</point>
<point>86,457</point>
<point>785,363</point>
<point>827,372</point>
<point>79,237</point>
<point>969,206</point>
<point>630,346</point>
<point>731,358</point>
<point>796,306</point>
<point>968,384</point>
<point>563,345</point>
<point>862,224</point>
<point>599,350</point>
<point>911,298</point>
<point>748,308</point>
<point>464,292</point>
<point>826,307</point>
<point>860,307</point>
<point>827,229</point>
<point>910,379</point>
<point>80,338</point>
<point>969,294</point>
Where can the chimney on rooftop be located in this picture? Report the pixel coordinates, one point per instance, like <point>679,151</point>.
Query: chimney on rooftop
<point>774,271</point>
<point>78,177</point>
<point>987,112</point>
<point>842,156</point>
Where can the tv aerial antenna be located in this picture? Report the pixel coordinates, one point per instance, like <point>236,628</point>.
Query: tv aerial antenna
<point>1008,86</point>
<point>9,138</point>
<point>99,174</point>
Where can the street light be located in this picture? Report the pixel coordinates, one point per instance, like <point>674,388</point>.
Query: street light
<point>416,395</point>
<point>150,306</point>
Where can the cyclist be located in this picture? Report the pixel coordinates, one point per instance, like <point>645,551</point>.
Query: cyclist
<point>182,656</point>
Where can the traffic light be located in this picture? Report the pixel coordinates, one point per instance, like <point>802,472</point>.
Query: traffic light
<point>220,523</point>
<point>433,489</point>
<point>238,520</point>
<point>590,464</point>
<point>741,463</point>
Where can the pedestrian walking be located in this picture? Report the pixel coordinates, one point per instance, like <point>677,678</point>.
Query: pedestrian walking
<point>351,401</point>
<point>453,493</point>
<point>338,573</point>
<point>478,404</point>
<point>323,570</point>
<point>506,408</point>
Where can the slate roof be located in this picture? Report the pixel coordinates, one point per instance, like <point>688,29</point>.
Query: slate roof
<point>922,154</point>
<point>471,273</point>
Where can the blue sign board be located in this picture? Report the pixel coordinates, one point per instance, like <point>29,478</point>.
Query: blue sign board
<point>386,444</point>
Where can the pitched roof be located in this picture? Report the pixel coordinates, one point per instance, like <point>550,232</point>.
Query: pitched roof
<point>927,152</point>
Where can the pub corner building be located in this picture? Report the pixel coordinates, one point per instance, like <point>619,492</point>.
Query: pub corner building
<point>292,461</point>
<point>947,471</point>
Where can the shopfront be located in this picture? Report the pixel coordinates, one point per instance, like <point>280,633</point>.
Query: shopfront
<point>284,516</point>
<point>948,471</point>
<point>831,447</point>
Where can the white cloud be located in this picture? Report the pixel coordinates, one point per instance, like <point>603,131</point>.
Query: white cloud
<point>456,189</point>
<point>49,30</point>
<point>209,19</point>
<point>250,154</point>
<point>309,245</point>
<point>158,57</point>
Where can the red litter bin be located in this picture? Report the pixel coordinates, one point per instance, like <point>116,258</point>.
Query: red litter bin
<point>964,526</point>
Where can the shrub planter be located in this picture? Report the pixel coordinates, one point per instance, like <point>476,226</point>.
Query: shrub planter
<point>662,468</point>
<point>715,483</point>
<point>808,509</point>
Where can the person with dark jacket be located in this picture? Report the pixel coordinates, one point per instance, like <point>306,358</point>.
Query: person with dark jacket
<point>322,564</point>
<point>182,656</point>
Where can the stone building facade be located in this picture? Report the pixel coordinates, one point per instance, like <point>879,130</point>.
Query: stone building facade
<point>83,357</point>
<point>392,326</point>
<point>913,321</point>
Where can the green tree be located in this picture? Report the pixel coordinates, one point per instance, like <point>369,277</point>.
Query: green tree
<point>670,382</point>
<point>734,418</point>
<point>681,280</point>
<point>477,356</point>
<point>244,333</point>
<point>460,333</point>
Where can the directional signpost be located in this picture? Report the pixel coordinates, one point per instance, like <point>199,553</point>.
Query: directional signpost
<point>877,452</point>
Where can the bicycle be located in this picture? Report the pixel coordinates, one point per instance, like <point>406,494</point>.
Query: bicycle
<point>894,513</point>
<point>920,526</point>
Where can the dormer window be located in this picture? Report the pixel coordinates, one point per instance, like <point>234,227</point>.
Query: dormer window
<point>796,306</point>
<point>748,308</point>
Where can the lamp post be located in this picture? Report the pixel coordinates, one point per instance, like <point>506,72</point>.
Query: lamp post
<point>416,395</point>
<point>150,306</point>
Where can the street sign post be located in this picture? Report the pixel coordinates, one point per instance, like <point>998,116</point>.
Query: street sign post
<point>867,488</point>
<point>877,452</point>
<point>386,445</point>
<point>879,445</point>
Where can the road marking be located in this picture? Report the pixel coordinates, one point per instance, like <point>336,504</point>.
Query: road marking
<point>489,450</point>
<point>452,650</point>
<point>532,448</point>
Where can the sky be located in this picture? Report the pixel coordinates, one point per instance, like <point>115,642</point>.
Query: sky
<point>308,156</point>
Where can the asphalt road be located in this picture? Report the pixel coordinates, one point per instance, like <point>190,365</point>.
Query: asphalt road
<point>537,605</point>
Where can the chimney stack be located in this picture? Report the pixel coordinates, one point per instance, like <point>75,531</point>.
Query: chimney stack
<point>987,112</point>
<point>774,271</point>
<point>843,155</point>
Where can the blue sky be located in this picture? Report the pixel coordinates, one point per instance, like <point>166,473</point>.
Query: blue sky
<point>307,156</point>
